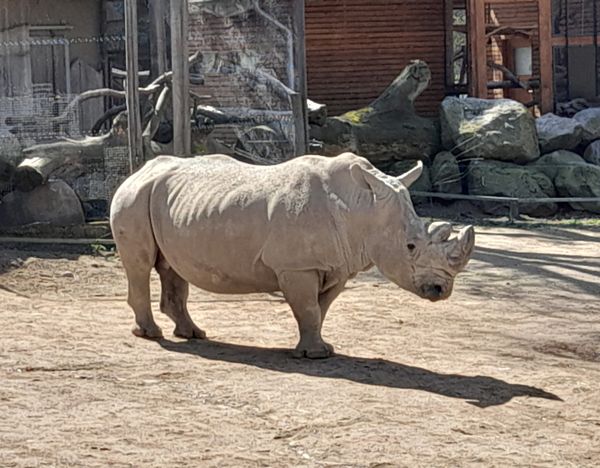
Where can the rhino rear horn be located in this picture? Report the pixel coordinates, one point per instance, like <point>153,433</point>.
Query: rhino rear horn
<point>410,177</point>
<point>461,247</point>
<point>439,231</point>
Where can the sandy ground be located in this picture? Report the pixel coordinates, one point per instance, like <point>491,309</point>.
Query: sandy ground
<point>505,373</point>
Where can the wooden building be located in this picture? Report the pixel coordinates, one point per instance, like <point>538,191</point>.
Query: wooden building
<point>541,52</point>
<point>538,51</point>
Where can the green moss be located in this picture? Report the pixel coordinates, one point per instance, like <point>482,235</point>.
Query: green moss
<point>357,116</point>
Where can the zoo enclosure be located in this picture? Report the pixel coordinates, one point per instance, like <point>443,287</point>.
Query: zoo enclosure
<point>68,70</point>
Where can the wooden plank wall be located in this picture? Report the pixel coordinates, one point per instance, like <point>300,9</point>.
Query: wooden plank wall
<point>355,48</point>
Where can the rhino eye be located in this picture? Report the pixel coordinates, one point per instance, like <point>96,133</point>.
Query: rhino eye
<point>411,247</point>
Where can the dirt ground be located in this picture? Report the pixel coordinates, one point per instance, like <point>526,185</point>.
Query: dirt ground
<point>505,373</point>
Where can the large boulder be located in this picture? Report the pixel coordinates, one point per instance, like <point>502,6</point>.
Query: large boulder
<point>572,177</point>
<point>556,133</point>
<point>445,173</point>
<point>590,121</point>
<point>551,164</point>
<point>496,178</point>
<point>580,181</point>
<point>592,153</point>
<point>53,203</point>
<point>388,128</point>
<point>499,129</point>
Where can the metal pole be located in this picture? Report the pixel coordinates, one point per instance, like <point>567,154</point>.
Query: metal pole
<point>182,140</point>
<point>134,127</point>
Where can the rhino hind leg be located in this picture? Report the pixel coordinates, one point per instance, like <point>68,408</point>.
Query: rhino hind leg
<point>138,298</point>
<point>173,301</point>
<point>301,291</point>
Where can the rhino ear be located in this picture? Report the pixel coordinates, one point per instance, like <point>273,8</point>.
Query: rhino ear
<point>460,249</point>
<point>410,177</point>
<point>373,180</point>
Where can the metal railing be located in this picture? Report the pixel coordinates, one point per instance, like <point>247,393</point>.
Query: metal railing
<point>512,202</point>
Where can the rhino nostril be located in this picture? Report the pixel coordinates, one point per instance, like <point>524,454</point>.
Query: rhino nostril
<point>438,289</point>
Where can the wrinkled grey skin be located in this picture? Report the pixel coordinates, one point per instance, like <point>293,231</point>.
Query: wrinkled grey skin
<point>304,227</point>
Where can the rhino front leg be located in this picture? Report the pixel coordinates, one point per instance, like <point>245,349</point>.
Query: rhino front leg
<point>301,291</point>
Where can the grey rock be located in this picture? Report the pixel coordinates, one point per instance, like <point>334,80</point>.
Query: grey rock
<point>572,176</point>
<point>53,203</point>
<point>497,178</point>
<point>580,181</point>
<point>445,173</point>
<point>551,164</point>
<point>592,153</point>
<point>590,121</point>
<point>499,129</point>
<point>317,113</point>
<point>556,133</point>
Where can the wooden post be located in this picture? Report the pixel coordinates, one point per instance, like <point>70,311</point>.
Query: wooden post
<point>477,48</point>
<point>546,59</point>
<point>299,103</point>
<point>136,148</point>
<point>182,140</point>
<point>158,35</point>
<point>449,42</point>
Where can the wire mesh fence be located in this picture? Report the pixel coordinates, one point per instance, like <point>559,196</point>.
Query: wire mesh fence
<point>63,80</point>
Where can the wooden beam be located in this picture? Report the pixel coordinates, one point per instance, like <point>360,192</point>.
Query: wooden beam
<point>182,140</point>
<point>546,57</point>
<point>449,41</point>
<point>560,41</point>
<point>298,102</point>
<point>477,48</point>
<point>158,37</point>
<point>134,126</point>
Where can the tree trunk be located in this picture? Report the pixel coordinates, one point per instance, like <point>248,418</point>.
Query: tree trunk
<point>42,160</point>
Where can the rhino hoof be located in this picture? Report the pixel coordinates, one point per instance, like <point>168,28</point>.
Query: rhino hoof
<point>190,332</point>
<point>320,351</point>
<point>152,332</point>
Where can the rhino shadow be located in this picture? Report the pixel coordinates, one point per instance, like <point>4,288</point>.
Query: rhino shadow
<point>481,391</point>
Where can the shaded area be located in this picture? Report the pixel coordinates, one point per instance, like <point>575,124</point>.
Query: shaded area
<point>535,266</point>
<point>481,391</point>
<point>567,261</point>
<point>14,256</point>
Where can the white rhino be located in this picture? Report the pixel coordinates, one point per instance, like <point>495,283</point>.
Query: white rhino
<point>303,227</point>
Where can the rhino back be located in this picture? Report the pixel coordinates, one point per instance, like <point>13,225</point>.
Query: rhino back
<point>230,227</point>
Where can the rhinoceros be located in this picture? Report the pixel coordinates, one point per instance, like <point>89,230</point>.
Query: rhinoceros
<point>302,228</point>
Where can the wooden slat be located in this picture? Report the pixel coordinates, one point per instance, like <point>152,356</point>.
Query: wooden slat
<point>181,78</point>
<point>355,49</point>
<point>477,47</point>
<point>546,68</point>
<point>134,126</point>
